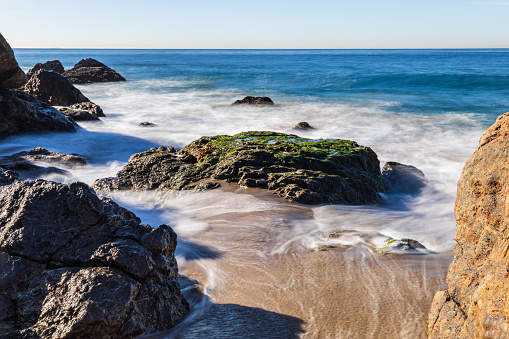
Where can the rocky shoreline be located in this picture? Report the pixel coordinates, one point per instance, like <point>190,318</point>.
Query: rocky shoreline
<point>78,265</point>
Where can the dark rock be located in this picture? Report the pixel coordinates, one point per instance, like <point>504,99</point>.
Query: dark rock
<point>403,179</point>
<point>90,70</point>
<point>11,76</point>
<point>22,113</point>
<point>146,124</point>
<point>23,162</point>
<point>304,170</point>
<point>53,89</point>
<point>55,66</point>
<point>7,177</point>
<point>254,101</point>
<point>82,111</point>
<point>75,265</point>
<point>303,125</point>
<point>476,301</point>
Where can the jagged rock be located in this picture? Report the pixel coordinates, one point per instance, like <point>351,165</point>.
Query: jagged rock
<point>404,179</point>
<point>304,170</point>
<point>54,65</point>
<point>303,125</point>
<point>476,302</point>
<point>22,113</point>
<point>254,101</point>
<point>53,89</point>
<point>90,70</point>
<point>42,154</point>
<point>82,111</point>
<point>75,265</point>
<point>7,177</point>
<point>11,76</point>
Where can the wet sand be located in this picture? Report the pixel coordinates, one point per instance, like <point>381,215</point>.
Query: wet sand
<point>259,281</point>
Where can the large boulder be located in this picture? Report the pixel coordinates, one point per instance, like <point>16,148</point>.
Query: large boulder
<point>11,76</point>
<point>476,303</point>
<point>258,101</point>
<point>54,65</point>
<point>53,89</point>
<point>90,70</point>
<point>22,113</point>
<point>297,169</point>
<point>74,265</point>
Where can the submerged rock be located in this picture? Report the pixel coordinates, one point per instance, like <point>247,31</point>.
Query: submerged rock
<point>54,65</point>
<point>303,125</point>
<point>75,265</point>
<point>297,169</point>
<point>90,70</point>
<point>11,76</point>
<point>147,124</point>
<point>403,179</point>
<point>82,111</point>
<point>254,101</point>
<point>22,113</point>
<point>53,89</point>
<point>476,302</point>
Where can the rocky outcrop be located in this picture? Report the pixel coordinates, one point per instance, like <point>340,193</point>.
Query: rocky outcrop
<point>90,70</point>
<point>22,113</point>
<point>403,179</point>
<point>476,303</point>
<point>26,162</point>
<point>54,65</point>
<point>82,111</point>
<point>297,169</point>
<point>53,89</point>
<point>11,76</point>
<point>254,101</point>
<point>78,266</point>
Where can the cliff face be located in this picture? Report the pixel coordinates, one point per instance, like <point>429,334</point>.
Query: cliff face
<point>477,302</point>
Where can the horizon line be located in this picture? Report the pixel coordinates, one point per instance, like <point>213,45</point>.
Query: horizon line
<point>275,49</point>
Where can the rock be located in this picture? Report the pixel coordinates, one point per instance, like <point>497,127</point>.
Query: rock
<point>90,70</point>
<point>297,169</point>
<point>403,245</point>
<point>75,265</point>
<point>22,113</point>
<point>11,76</point>
<point>146,124</point>
<point>303,125</point>
<point>82,111</point>
<point>475,303</point>
<point>403,179</point>
<point>55,66</point>
<point>42,154</point>
<point>53,89</point>
<point>7,177</point>
<point>254,101</point>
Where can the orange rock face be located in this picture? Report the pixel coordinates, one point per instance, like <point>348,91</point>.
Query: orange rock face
<point>476,305</point>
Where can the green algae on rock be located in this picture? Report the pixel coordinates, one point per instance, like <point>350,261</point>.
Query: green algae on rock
<point>297,169</point>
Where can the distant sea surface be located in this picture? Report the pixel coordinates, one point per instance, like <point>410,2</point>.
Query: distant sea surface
<point>426,108</point>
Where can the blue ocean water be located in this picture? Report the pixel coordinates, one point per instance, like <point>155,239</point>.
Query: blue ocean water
<point>429,81</point>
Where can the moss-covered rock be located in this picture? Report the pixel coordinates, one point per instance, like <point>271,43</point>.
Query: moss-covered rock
<point>304,170</point>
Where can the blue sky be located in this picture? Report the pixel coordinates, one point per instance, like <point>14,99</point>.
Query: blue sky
<point>255,24</point>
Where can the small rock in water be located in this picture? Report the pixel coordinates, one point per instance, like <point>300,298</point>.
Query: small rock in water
<point>401,245</point>
<point>90,70</point>
<point>303,125</point>
<point>322,248</point>
<point>404,179</point>
<point>249,100</point>
<point>147,124</point>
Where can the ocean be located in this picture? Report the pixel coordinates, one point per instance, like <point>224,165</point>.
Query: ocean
<point>426,108</point>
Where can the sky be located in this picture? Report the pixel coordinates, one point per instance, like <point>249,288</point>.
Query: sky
<point>300,24</point>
